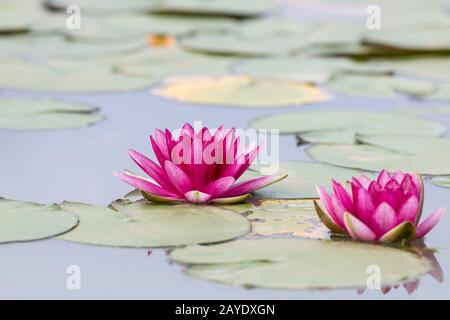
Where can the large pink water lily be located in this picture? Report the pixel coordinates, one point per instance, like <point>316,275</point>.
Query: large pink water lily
<point>387,209</point>
<point>197,167</point>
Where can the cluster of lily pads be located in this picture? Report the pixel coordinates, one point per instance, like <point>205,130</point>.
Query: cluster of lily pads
<point>239,54</point>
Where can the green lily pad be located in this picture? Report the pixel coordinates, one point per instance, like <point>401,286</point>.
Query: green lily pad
<point>33,113</point>
<point>379,86</point>
<point>261,37</point>
<point>441,181</point>
<point>304,69</point>
<point>299,264</point>
<point>430,156</point>
<point>302,179</point>
<point>27,221</point>
<point>68,77</point>
<point>122,28</point>
<point>442,93</point>
<point>296,218</point>
<point>232,8</point>
<point>240,91</point>
<point>343,126</point>
<point>163,62</point>
<point>101,7</point>
<point>142,224</point>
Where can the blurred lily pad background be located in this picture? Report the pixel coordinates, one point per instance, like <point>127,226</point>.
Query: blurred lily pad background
<point>352,86</point>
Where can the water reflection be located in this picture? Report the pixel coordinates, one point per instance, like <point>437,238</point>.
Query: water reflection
<point>419,248</point>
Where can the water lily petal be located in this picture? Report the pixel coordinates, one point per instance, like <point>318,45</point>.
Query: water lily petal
<point>409,209</point>
<point>142,184</point>
<point>252,185</point>
<point>220,186</point>
<point>404,231</point>
<point>383,178</point>
<point>425,226</point>
<point>398,176</point>
<point>328,204</point>
<point>342,195</point>
<point>384,219</point>
<point>327,219</point>
<point>358,230</point>
<point>197,196</point>
<point>180,180</point>
<point>364,181</point>
<point>232,200</point>
<point>364,205</point>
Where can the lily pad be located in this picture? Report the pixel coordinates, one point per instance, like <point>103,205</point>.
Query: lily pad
<point>33,113</point>
<point>27,221</point>
<point>232,8</point>
<point>344,126</point>
<point>298,218</point>
<point>430,156</point>
<point>441,181</point>
<point>303,177</point>
<point>142,224</point>
<point>304,69</point>
<point>68,77</point>
<point>380,86</point>
<point>101,7</point>
<point>163,62</point>
<point>240,91</point>
<point>299,264</point>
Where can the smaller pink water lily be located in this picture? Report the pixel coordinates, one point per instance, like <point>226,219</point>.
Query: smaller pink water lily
<point>387,209</point>
<point>197,167</point>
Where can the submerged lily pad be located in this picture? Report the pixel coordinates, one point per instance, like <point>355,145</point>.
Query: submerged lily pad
<point>27,221</point>
<point>33,113</point>
<point>303,177</point>
<point>240,91</point>
<point>299,264</point>
<point>141,224</point>
<point>287,217</point>
<point>68,77</point>
<point>429,156</point>
<point>441,181</point>
<point>344,126</point>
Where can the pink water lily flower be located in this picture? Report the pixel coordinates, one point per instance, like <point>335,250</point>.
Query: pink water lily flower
<point>387,209</point>
<point>197,167</point>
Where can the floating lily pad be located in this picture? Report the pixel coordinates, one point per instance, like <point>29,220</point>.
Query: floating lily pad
<point>33,113</point>
<point>141,224</point>
<point>126,27</point>
<point>26,221</point>
<point>379,86</point>
<point>304,69</point>
<point>262,37</point>
<point>441,181</point>
<point>240,91</point>
<point>343,126</point>
<point>163,62</point>
<point>429,156</point>
<point>303,177</point>
<point>442,93</point>
<point>101,7</point>
<point>299,264</point>
<point>232,8</point>
<point>296,218</point>
<point>68,77</point>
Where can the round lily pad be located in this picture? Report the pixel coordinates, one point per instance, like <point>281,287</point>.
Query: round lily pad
<point>141,224</point>
<point>379,86</point>
<point>165,62</point>
<point>27,221</point>
<point>68,77</point>
<point>302,179</point>
<point>300,264</point>
<point>101,7</point>
<point>298,218</point>
<point>240,91</point>
<point>428,156</point>
<point>304,69</point>
<point>34,113</point>
<point>441,181</point>
<point>344,126</point>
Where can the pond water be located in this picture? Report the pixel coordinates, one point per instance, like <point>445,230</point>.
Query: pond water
<point>76,165</point>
